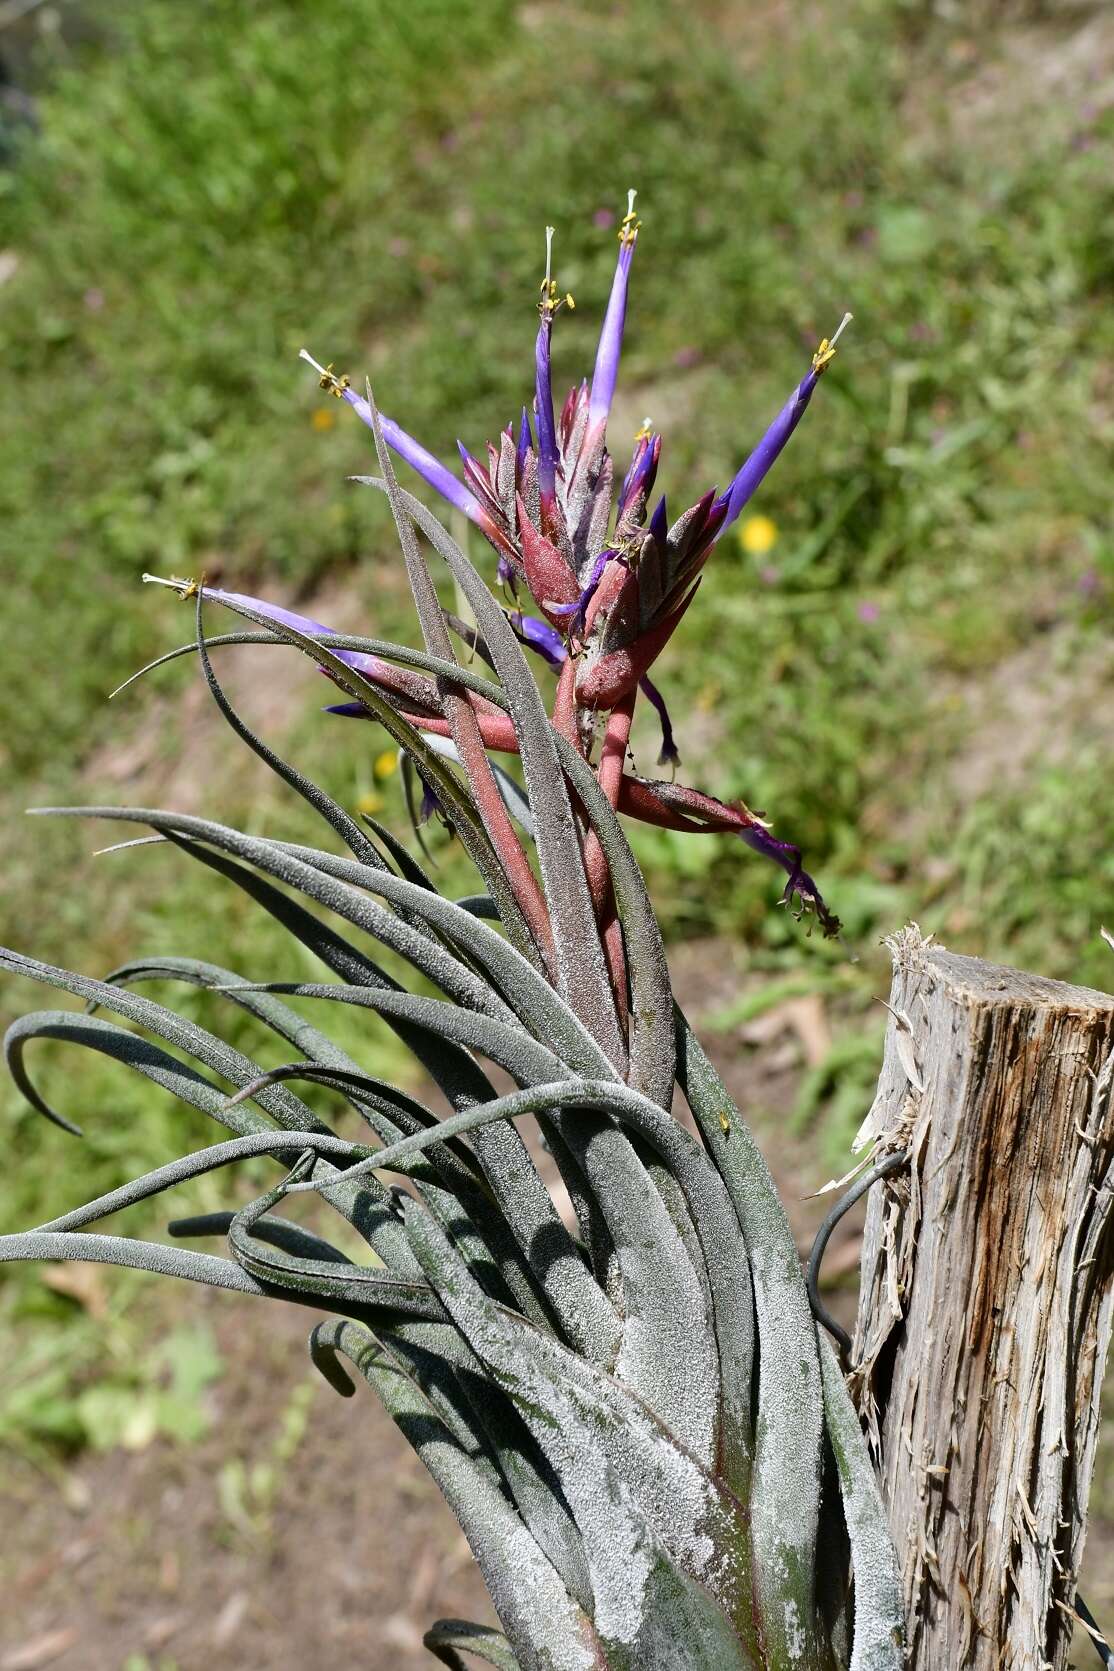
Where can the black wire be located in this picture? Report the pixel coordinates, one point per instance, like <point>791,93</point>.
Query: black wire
<point>1102,1646</point>
<point>891,1163</point>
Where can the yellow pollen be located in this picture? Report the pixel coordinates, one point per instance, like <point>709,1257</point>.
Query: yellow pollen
<point>334,384</point>
<point>551,302</point>
<point>826,351</point>
<point>190,588</point>
<point>646,431</point>
<point>630,225</point>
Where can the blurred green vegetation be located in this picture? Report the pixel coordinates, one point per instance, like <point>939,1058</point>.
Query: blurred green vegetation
<point>910,680</point>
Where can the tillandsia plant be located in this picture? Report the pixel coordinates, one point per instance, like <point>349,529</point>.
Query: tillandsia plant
<point>646,1440</point>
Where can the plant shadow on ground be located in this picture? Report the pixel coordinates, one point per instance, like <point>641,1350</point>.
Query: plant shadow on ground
<point>908,665</point>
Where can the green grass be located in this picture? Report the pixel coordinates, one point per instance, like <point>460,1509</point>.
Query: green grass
<point>212,189</point>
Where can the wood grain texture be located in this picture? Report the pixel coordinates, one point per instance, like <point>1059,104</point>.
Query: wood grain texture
<point>987,1290</point>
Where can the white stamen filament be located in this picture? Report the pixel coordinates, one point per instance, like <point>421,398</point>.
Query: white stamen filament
<point>631,195</point>
<point>843,324</point>
<point>304,354</point>
<point>549,231</point>
<point>174,583</point>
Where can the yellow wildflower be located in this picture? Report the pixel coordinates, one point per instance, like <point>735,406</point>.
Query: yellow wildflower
<point>757,535</point>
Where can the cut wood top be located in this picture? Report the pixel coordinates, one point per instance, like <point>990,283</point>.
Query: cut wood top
<point>985,984</point>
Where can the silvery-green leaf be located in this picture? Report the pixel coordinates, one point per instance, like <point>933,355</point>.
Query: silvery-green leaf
<point>785,1495</point>
<point>542,1622</point>
<point>878,1642</point>
<point>448,1635</point>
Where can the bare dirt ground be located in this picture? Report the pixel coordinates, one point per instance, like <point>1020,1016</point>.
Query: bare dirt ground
<point>303,1532</point>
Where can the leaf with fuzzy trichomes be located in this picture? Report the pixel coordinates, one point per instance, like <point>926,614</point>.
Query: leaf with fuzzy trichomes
<point>534,1238</point>
<point>348,1286</point>
<point>785,1497</point>
<point>390,1112</point>
<point>543,1623</point>
<point>711,1212</point>
<point>665,1545</point>
<point>365,1205</point>
<point>651,1053</point>
<point>583,1311</point>
<point>583,1159</point>
<point>665,1354</point>
<point>879,1624</point>
<point>448,1635</point>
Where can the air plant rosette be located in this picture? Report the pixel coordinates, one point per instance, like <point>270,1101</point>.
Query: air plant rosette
<point>646,1440</point>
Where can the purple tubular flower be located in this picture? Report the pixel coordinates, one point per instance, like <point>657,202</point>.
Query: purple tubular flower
<point>606,371</point>
<point>543,404</point>
<point>540,637</point>
<point>301,623</point>
<point>439,477</point>
<point>669,755</point>
<point>765,455</point>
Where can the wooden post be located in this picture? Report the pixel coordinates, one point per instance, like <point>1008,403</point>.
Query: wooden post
<point>987,1292</point>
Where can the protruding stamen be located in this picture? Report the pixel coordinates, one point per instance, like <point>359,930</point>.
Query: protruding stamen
<point>175,582</point>
<point>326,375</point>
<point>827,348</point>
<point>646,431</point>
<point>185,589</point>
<point>550,302</point>
<point>630,224</point>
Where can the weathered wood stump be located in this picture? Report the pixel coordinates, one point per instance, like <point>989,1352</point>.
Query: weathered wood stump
<point>987,1293</point>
